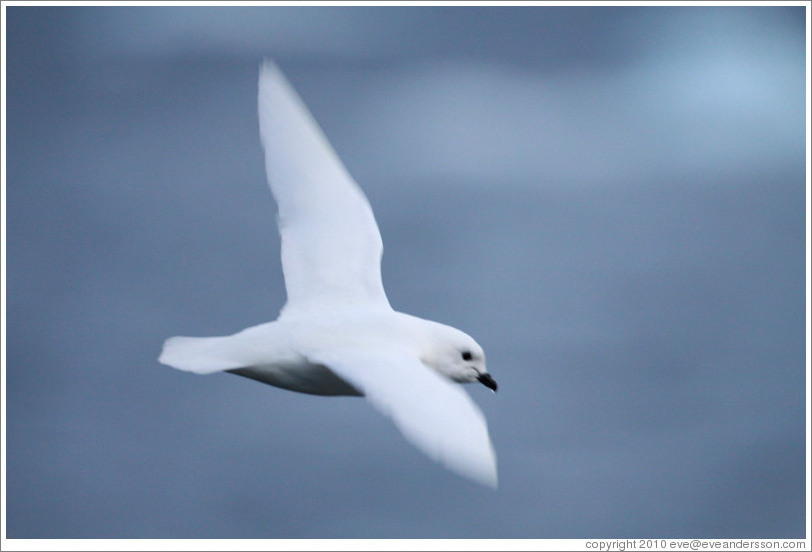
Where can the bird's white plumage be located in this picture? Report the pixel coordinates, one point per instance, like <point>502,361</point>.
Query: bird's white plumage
<point>337,334</point>
<point>331,246</point>
<point>432,412</point>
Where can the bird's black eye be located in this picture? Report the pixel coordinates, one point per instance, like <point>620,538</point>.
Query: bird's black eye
<point>466,355</point>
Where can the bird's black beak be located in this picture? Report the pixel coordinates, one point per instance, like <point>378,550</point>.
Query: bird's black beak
<point>487,381</point>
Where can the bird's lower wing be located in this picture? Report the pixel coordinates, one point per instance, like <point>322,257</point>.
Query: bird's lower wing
<point>433,413</point>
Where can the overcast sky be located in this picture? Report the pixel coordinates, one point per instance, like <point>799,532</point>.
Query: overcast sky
<point>610,200</point>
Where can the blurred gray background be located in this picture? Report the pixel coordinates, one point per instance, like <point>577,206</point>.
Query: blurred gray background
<point>611,200</point>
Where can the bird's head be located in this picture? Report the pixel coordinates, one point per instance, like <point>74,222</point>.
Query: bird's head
<point>457,356</point>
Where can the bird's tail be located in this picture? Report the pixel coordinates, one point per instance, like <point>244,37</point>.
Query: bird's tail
<point>201,355</point>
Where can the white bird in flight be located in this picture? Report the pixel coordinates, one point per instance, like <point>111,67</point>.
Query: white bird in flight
<point>337,333</point>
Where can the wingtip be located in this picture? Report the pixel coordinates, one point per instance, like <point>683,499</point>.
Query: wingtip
<point>268,66</point>
<point>487,477</point>
<point>270,71</point>
<point>490,478</point>
<point>478,468</point>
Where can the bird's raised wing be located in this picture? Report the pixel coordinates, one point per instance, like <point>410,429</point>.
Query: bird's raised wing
<point>331,246</point>
<point>432,412</point>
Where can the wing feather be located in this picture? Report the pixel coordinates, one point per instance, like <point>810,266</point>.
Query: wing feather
<point>331,246</point>
<point>432,412</point>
